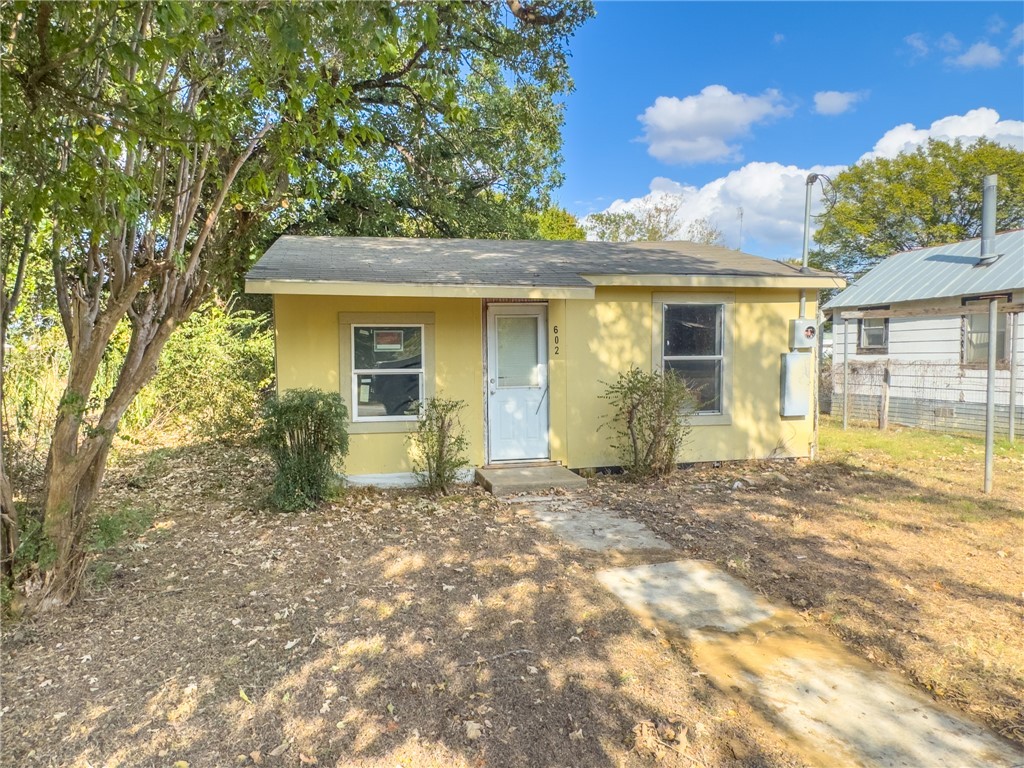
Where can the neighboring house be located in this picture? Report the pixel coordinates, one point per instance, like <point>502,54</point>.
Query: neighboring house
<point>528,334</point>
<point>937,353</point>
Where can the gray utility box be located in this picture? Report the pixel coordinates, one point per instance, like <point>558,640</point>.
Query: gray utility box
<point>796,384</point>
<point>803,334</point>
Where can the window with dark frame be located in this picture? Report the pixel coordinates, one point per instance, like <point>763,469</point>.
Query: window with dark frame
<point>974,334</point>
<point>873,333</point>
<point>692,348</point>
<point>387,372</point>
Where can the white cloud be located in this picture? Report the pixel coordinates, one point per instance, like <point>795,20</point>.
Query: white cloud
<point>1018,36</point>
<point>836,102</point>
<point>778,38</point>
<point>949,43</point>
<point>918,45</point>
<point>977,123</point>
<point>772,195</point>
<point>995,24</point>
<point>700,128</point>
<point>980,54</point>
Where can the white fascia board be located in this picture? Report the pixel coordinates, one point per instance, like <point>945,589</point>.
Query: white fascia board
<point>717,281</point>
<point>478,291</point>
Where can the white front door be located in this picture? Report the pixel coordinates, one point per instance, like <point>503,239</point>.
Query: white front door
<point>517,382</point>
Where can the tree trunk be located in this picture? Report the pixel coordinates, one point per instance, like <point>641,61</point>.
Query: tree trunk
<point>8,512</point>
<point>75,466</point>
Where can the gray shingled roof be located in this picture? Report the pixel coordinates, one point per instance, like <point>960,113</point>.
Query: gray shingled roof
<point>541,263</point>
<point>939,271</point>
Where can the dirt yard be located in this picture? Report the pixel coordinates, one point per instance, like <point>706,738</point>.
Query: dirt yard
<point>390,629</point>
<point>385,630</point>
<point>887,541</point>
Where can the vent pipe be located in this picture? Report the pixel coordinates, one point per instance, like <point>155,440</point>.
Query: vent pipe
<point>988,221</point>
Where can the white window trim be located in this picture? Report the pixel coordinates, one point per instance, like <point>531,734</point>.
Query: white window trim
<point>727,302</point>
<point>346,378</point>
<point>357,372</point>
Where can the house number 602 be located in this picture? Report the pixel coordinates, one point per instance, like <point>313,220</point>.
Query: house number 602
<point>554,330</point>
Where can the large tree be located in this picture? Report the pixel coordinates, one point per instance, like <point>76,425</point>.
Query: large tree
<point>929,196</point>
<point>555,223</point>
<point>653,220</point>
<point>145,143</point>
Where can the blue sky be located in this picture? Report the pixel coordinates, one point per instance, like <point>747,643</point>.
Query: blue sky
<point>729,105</point>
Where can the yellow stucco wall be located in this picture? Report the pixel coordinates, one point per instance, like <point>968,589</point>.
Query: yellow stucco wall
<point>613,332</point>
<point>308,342</point>
<point>595,340</point>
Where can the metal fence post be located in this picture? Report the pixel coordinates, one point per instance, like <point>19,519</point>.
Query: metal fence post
<point>1014,319</point>
<point>846,372</point>
<point>990,391</point>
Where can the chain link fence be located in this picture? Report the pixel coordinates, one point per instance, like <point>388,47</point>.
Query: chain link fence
<point>940,396</point>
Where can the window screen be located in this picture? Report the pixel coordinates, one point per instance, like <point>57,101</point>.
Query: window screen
<point>387,368</point>
<point>693,350</point>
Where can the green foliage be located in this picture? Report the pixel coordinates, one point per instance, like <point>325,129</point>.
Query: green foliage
<point>439,445</point>
<point>653,221</point>
<point>213,372</point>
<point>704,232</point>
<point>926,197</point>
<point>651,420</point>
<point>556,223</point>
<point>210,382</point>
<point>305,431</point>
<point>126,522</point>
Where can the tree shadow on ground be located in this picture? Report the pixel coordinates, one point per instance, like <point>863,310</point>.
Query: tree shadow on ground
<point>913,578</point>
<point>379,630</point>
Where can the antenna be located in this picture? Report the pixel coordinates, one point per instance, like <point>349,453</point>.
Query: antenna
<point>739,213</point>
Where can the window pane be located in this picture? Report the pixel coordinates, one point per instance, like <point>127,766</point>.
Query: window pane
<point>693,329</point>
<point>391,348</point>
<point>387,394</point>
<point>517,351</point>
<point>872,332</point>
<point>976,339</point>
<point>705,379</point>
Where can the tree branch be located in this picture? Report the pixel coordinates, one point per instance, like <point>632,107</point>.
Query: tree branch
<point>528,14</point>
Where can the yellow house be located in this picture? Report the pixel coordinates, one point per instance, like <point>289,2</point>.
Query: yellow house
<point>528,334</point>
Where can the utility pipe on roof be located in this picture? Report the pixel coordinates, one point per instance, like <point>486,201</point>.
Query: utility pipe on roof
<point>811,178</point>
<point>988,220</point>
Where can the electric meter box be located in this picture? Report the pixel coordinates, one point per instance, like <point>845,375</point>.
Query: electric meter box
<point>803,334</point>
<point>795,397</point>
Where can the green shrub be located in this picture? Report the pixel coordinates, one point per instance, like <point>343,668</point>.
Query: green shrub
<point>651,419</point>
<point>210,380</point>
<point>213,373</point>
<point>111,529</point>
<point>305,432</point>
<point>439,445</point>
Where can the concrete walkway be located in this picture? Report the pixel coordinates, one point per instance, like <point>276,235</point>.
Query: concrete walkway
<point>834,707</point>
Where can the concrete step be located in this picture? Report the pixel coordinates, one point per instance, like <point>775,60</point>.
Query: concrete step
<point>503,481</point>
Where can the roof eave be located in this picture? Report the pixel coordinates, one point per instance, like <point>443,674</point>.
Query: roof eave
<point>719,281</point>
<point>434,290</point>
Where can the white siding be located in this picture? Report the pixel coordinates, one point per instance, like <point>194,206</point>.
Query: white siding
<point>924,359</point>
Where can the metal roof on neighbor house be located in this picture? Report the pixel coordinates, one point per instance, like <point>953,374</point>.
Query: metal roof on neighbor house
<point>507,263</point>
<point>938,272</point>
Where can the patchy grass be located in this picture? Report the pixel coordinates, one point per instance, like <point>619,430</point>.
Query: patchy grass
<point>110,529</point>
<point>382,629</point>
<point>887,541</point>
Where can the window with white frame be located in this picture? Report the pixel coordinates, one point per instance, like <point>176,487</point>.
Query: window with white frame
<point>693,349</point>
<point>975,334</point>
<point>387,372</point>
